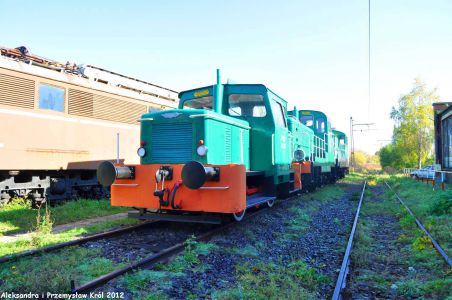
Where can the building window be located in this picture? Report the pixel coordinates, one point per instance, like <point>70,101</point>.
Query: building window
<point>447,143</point>
<point>51,97</point>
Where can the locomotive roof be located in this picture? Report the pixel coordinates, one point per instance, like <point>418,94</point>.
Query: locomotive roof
<point>338,132</point>
<point>234,84</point>
<point>317,112</point>
<point>85,75</point>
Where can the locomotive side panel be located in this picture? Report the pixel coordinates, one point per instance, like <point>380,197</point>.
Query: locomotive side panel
<point>33,141</point>
<point>44,134</point>
<point>57,126</point>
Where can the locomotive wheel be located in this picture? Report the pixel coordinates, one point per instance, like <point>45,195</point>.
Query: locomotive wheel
<point>270,203</point>
<point>239,216</point>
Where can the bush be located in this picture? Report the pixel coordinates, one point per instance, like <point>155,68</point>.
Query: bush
<point>442,205</point>
<point>390,170</point>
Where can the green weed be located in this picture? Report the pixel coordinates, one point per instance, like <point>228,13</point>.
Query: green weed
<point>363,244</point>
<point>18,216</point>
<point>274,281</point>
<point>421,242</point>
<point>145,281</point>
<point>190,256</point>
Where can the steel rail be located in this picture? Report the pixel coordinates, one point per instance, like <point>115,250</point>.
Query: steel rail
<point>419,224</point>
<point>341,279</point>
<point>73,242</point>
<point>157,257</point>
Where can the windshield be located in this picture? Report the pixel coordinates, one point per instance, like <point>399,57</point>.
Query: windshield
<point>247,105</point>
<point>307,120</point>
<point>199,103</point>
<point>320,125</point>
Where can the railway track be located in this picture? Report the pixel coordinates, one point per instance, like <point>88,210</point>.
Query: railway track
<point>344,271</point>
<point>163,255</point>
<point>117,237</point>
<point>76,242</point>
<point>342,278</point>
<point>422,227</point>
<point>160,256</point>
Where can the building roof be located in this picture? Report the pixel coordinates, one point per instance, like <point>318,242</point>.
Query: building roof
<point>440,107</point>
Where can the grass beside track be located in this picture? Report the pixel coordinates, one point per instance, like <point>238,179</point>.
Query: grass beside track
<point>18,216</point>
<point>432,207</point>
<point>40,239</point>
<point>53,272</point>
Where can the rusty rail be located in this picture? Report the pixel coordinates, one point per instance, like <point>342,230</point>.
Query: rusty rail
<point>73,242</point>
<point>341,279</point>
<point>419,224</point>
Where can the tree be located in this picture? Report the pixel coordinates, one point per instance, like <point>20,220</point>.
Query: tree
<point>364,161</point>
<point>413,131</point>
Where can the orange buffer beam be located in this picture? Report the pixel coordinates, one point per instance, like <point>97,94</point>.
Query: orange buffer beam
<point>228,195</point>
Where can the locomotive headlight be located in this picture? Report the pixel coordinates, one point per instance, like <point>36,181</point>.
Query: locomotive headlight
<point>141,152</point>
<point>201,150</point>
<point>298,155</point>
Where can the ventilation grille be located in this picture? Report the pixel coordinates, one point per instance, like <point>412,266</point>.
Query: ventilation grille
<point>16,91</point>
<point>80,103</point>
<point>106,108</point>
<point>227,145</point>
<point>172,143</point>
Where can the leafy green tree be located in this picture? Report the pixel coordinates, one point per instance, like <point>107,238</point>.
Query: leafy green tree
<point>413,131</point>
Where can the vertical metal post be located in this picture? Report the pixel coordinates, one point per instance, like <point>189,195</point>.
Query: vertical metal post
<point>218,93</point>
<point>368,107</point>
<point>117,148</point>
<point>352,145</point>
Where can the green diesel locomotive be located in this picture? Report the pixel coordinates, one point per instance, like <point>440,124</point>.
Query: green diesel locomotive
<point>228,147</point>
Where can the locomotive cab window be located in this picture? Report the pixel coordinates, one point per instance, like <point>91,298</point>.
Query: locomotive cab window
<point>199,103</point>
<point>307,120</point>
<point>51,97</point>
<point>320,125</point>
<point>278,113</point>
<point>246,105</point>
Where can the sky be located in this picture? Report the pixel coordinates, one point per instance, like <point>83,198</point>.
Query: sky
<point>312,53</point>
